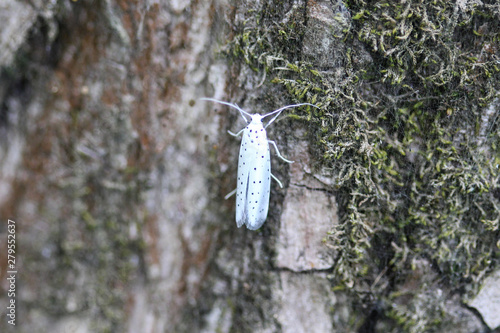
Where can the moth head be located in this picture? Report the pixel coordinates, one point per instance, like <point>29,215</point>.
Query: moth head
<point>256,118</point>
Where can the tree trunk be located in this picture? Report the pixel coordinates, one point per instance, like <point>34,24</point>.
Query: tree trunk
<point>114,171</point>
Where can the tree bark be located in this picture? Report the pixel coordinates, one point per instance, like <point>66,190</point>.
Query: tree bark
<point>115,174</point>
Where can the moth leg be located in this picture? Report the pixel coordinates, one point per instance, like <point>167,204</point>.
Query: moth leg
<point>278,152</point>
<point>236,134</point>
<point>230,194</point>
<point>276,179</point>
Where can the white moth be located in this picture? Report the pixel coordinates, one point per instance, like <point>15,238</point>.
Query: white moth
<point>254,168</point>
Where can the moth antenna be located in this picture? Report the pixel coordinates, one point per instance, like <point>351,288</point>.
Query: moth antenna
<point>229,104</point>
<point>283,108</point>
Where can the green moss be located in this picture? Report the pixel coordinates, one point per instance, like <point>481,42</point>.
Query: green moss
<point>404,135</point>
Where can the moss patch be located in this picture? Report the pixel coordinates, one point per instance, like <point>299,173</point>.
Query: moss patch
<point>405,129</point>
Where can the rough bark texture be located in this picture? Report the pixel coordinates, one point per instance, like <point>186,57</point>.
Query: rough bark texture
<point>115,171</point>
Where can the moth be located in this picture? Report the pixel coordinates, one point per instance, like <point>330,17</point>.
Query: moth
<point>254,167</point>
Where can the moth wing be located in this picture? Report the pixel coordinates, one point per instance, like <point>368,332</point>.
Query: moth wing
<point>242,186</point>
<point>259,184</point>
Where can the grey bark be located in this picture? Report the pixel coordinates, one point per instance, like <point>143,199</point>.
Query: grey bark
<point>115,174</point>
